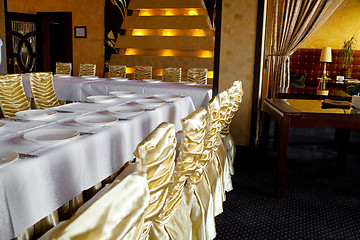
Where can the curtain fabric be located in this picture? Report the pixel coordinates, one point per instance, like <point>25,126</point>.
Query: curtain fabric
<point>293,22</point>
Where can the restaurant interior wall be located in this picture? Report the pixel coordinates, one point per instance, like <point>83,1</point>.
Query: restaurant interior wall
<point>237,57</point>
<point>338,28</point>
<point>89,13</point>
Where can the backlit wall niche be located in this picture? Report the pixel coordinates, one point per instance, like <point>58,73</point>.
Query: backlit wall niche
<point>166,34</point>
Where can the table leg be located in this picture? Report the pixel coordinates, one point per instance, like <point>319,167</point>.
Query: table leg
<point>282,156</point>
<point>265,135</point>
<point>342,138</point>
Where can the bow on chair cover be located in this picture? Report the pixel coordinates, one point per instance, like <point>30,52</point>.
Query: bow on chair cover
<point>113,215</point>
<point>12,95</point>
<point>42,88</point>
<point>156,155</point>
<point>197,190</point>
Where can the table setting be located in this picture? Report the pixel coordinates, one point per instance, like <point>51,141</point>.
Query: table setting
<point>48,157</point>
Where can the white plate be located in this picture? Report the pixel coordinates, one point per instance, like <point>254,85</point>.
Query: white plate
<point>34,114</point>
<point>123,94</point>
<point>90,77</point>
<point>188,83</point>
<point>51,135</point>
<point>7,156</point>
<point>62,75</point>
<point>2,124</point>
<point>119,79</point>
<point>101,98</point>
<point>149,103</point>
<point>167,97</point>
<point>151,80</point>
<point>125,110</point>
<point>98,120</point>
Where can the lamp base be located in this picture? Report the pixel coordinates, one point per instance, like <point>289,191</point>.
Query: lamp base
<point>322,92</point>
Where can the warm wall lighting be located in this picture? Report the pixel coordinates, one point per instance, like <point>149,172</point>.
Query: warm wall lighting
<point>167,52</point>
<point>198,33</point>
<point>130,51</point>
<point>145,13</point>
<point>169,13</point>
<point>210,74</point>
<point>192,12</point>
<point>138,32</point>
<point>205,54</point>
<point>130,70</point>
<point>168,32</point>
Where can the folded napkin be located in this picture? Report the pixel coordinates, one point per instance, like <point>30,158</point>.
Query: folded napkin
<point>328,103</point>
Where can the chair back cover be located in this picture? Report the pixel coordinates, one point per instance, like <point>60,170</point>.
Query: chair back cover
<point>12,95</point>
<point>87,69</point>
<point>42,88</point>
<point>143,72</point>
<point>117,71</point>
<point>156,153</point>
<point>171,74</point>
<point>197,75</point>
<point>63,68</point>
<point>112,215</point>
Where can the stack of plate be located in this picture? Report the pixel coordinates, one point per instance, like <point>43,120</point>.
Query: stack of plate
<point>167,97</point>
<point>119,79</point>
<point>7,156</point>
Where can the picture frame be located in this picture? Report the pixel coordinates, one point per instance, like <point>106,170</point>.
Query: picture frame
<point>80,32</point>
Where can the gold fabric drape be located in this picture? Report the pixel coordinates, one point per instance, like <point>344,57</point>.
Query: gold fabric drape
<point>293,22</point>
<point>42,88</point>
<point>12,95</point>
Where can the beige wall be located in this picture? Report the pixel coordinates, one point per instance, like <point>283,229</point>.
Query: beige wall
<point>237,56</point>
<point>338,28</point>
<point>89,13</point>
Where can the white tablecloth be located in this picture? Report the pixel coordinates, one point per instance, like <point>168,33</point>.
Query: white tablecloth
<point>77,88</point>
<point>32,188</point>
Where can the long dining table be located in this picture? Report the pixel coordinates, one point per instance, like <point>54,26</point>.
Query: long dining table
<point>73,88</point>
<point>32,187</point>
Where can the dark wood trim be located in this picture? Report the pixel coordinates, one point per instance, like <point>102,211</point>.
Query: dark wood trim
<point>217,46</point>
<point>255,106</point>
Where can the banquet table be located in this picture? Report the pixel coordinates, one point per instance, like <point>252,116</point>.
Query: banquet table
<point>32,188</point>
<point>72,88</point>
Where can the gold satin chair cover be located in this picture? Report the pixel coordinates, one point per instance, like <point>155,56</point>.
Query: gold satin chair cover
<point>197,190</point>
<point>42,88</point>
<point>112,215</point>
<point>87,69</point>
<point>225,110</point>
<point>12,95</point>
<point>235,93</point>
<point>117,71</point>
<point>214,154</point>
<point>197,75</point>
<point>171,74</point>
<point>63,68</point>
<point>156,155</point>
<point>143,72</point>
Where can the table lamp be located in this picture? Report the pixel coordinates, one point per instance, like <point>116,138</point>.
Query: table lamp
<point>325,58</point>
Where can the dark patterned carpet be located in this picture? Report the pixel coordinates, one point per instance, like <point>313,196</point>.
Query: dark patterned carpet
<point>319,202</point>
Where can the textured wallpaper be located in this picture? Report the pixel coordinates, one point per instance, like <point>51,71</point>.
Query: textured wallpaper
<point>338,28</point>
